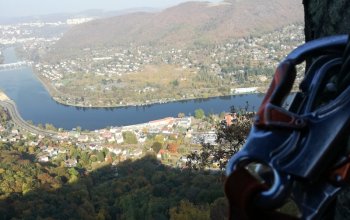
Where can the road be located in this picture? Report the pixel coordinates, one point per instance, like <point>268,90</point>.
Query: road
<point>18,120</point>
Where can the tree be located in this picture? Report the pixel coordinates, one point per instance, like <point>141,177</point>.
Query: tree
<point>100,156</point>
<point>229,140</point>
<point>186,211</point>
<point>31,150</point>
<point>156,146</point>
<point>51,127</point>
<point>129,137</point>
<point>219,209</point>
<point>199,113</point>
<point>175,83</point>
<point>159,138</point>
<point>181,115</point>
<point>40,126</point>
<point>73,171</point>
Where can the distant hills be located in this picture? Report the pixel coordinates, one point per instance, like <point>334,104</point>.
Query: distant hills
<point>185,24</point>
<point>62,17</point>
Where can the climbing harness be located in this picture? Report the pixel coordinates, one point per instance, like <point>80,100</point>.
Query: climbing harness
<point>297,155</point>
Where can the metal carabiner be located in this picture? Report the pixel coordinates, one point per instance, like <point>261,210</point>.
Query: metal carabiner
<point>277,138</point>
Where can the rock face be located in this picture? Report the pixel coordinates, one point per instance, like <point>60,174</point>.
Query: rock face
<point>324,18</point>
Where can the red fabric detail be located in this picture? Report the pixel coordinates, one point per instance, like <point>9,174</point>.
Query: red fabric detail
<point>279,75</point>
<point>277,116</point>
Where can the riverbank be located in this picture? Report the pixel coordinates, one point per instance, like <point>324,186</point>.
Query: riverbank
<point>55,94</point>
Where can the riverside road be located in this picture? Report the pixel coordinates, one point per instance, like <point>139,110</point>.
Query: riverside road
<point>16,117</point>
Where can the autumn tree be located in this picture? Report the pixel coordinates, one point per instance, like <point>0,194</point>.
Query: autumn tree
<point>172,147</point>
<point>229,140</point>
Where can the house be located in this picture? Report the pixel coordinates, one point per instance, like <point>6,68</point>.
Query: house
<point>43,158</point>
<point>183,159</point>
<point>74,134</point>
<point>210,138</point>
<point>95,147</point>
<point>166,131</point>
<point>154,130</point>
<point>162,154</point>
<point>114,130</point>
<point>136,153</point>
<point>51,151</point>
<point>71,162</point>
<point>99,147</point>
<point>119,137</point>
<point>92,146</point>
<point>13,139</point>
<point>184,122</point>
<point>62,151</point>
<point>81,146</point>
<point>189,133</point>
<point>115,150</point>
<point>245,90</point>
<point>15,131</point>
<point>33,143</point>
<point>162,122</point>
<point>228,119</point>
<point>83,138</point>
<point>111,139</point>
<point>63,136</point>
<point>141,138</point>
<point>125,152</point>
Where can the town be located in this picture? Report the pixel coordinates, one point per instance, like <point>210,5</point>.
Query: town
<point>117,76</point>
<point>143,74</point>
<point>169,139</point>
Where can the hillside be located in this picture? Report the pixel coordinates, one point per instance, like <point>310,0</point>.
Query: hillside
<point>185,24</point>
<point>142,189</point>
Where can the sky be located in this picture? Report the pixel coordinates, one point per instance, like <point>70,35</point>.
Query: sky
<point>20,8</point>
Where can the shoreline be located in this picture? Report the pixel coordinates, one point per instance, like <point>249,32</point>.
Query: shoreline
<point>47,88</point>
<point>149,103</point>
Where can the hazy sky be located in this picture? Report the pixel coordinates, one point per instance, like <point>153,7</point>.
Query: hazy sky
<point>16,8</point>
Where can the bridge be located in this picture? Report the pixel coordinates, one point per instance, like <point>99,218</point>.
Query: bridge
<point>13,66</point>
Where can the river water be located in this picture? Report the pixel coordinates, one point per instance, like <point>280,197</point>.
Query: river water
<point>35,104</point>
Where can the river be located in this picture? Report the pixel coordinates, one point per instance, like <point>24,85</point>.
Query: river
<point>35,104</point>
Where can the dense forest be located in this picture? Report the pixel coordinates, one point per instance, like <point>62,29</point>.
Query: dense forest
<point>142,189</point>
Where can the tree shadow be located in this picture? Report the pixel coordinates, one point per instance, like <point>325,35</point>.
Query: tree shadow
<point>141,189</point>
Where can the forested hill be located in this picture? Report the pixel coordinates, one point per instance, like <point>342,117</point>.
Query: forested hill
<point>185,24</point>
<point>143,189</point>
